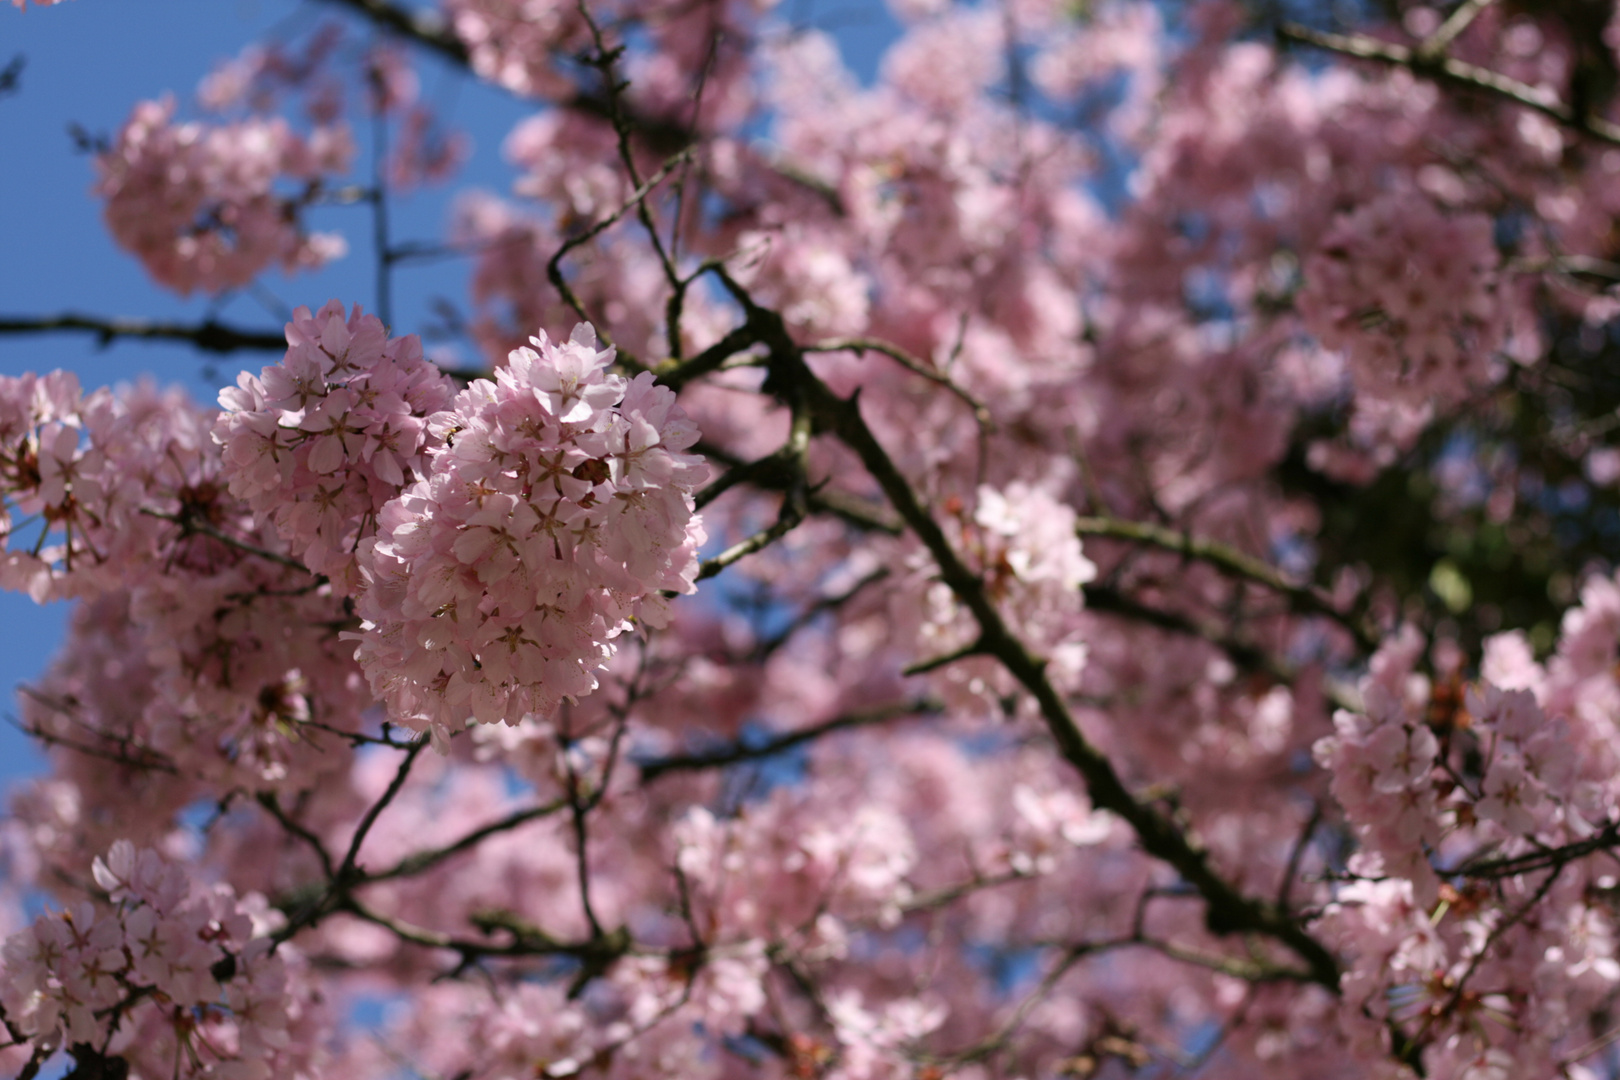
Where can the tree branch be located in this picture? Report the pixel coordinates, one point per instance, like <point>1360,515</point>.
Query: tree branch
<point>425,860</point>
<point>735,753</point>
<point>1302,596</point>
<point>209,336</point>
<point>1453,72</point>
<point>1228,910</point>
<point>427,28</point>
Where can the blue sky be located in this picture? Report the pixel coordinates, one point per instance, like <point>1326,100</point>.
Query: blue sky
<point>86,63</point>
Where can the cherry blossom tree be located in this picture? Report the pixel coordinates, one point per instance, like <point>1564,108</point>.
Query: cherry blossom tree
<point>1091,554</point>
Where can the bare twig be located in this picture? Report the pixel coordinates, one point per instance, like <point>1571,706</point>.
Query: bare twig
<point>554,272</point>
<point>859,512</point>
<point>348,871</point>
<point>420,861</point>
<point>795,504</point>
<point>272,806</point>
<point>1433,47</point>
<point>190,524</point>
<point>1546,858</point>
<point>736,753</point>
<point>860,346</point>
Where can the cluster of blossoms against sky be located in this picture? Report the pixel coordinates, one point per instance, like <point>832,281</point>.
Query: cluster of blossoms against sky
<point>1089,554</point>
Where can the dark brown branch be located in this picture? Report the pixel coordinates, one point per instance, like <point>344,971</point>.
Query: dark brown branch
<point>636,199</point>
<point>861,513</point>
<point>525,940</point>
<point>1228,910</point>
<point>736,753</point>
<point>765,648</point>
<point>272,806</point>
<point>193,524</point>
<point>426,860</point>
<point>1285,888</point>
<point>349,871</point>
<point>1547,858</point>
<point>676,376</point>
<point>311,904</point>
<point>795,501</point>
<point>861,346</point>
<point>427,28</point>
<point>121,747</point>
<point>209,336</point>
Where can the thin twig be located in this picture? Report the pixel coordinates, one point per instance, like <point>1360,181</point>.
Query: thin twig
<point>425,860</point>
<point>272,806</point>
<point>189,524</point>
<point>735,753</point>
<point>346,873</point>
<point>795,503</point>
<point>554,272</point>
<point>1305,597</point>
<point>1435,45</point>
<point>860,346</point>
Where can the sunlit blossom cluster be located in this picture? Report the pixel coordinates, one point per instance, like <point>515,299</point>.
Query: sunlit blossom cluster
<point>555,511</point>
<point>319,442</point>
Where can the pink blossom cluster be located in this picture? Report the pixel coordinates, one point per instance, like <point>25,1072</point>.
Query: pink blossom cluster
<point>1382,762</point>
<point>200,206</point>
<point>555,510</point>
<point>1439,801</point>
<point>769,881</point>
<point>44,474</point>
<point>518,44</point>
<point>317,443</point>
<point>424,151</point>
<point>260,79</point>
<point>97,475</point>
<point>193,644</point>
<point>195,960</point>
<point>1132,262</point>
<point>1408,292</point>
<point>261,76</point>
<point>526,47</point>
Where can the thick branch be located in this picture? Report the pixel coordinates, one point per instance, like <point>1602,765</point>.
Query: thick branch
<point>1228,909</point>
<point>209,336</point>
<point>426,28</point>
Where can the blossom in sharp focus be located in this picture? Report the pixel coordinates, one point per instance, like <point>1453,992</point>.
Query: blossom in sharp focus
<point>555,510</point>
